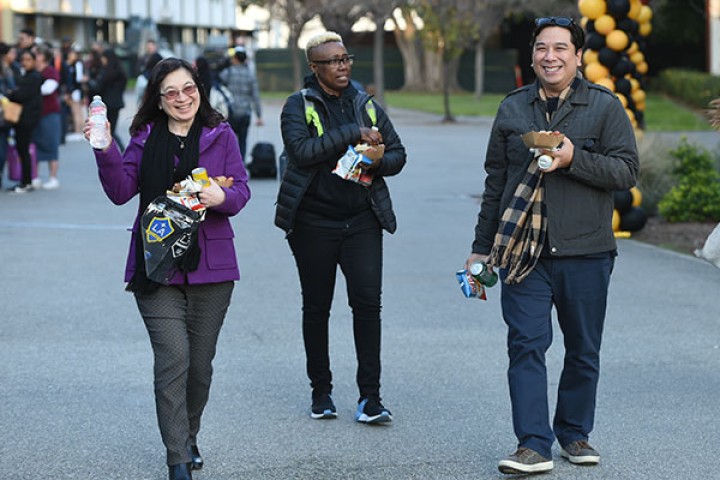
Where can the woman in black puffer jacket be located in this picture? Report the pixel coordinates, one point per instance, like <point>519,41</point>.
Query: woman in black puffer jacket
<point>331,221</point>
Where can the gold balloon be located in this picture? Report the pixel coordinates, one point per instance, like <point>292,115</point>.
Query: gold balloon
<point>645,14</point>
<point>636,197</point>
<point>642,68</point>
<point>645,29</point>
<point>592,8</point>
<point>607,83</point>
<point>637,58</point>
<point>622,99</point>
<point>617,40</point>
<point>631,115</point>
<point>640,106</point>
<point>638,96</point>
<point>595,71</point>
<point>635,6</point>
<point>590,56</point>
<point>604,24</point>
<point>634,84</point>
<point>616,221</point>
<point>634,47</point>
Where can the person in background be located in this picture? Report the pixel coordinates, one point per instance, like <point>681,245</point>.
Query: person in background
<point>7,84</point>
<point>48,132</point>
<point>74,74</point>
<point>332,221</point>
<point>549,232</point>
<point>110,85</point>
<point>243,86</point>
<point>27,93</point>
<point>174,131</point>
<point>220,97</point>
<point>144,77</point>
<point>26,39</point>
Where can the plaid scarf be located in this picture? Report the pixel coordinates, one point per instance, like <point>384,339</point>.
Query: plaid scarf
<point>521,234</point>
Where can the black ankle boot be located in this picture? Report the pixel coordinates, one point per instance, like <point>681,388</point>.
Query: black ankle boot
<point>179,472</point>
<point>196,461</point>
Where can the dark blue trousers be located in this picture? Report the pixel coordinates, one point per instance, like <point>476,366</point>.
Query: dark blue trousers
<point>577,287</point>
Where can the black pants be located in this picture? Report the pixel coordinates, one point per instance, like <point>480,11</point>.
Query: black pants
<point>183,323</point>
<point>23,138</point>
<point>240,126</point>
<point>358,251</point>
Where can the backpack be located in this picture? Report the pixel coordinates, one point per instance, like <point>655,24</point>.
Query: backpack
<point>221,99</point>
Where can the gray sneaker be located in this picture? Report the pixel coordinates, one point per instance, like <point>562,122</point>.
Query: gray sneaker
<point>580,453</point>
<point>525,460</point>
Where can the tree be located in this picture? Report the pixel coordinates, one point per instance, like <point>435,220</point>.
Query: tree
<point>295,14</point>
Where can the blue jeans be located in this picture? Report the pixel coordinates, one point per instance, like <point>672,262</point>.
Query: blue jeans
<point>577,287</point>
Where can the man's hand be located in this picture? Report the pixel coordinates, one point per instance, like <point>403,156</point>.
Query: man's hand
<point>562,158</point>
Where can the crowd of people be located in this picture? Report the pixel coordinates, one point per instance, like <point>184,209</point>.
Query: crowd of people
<point>55,107</point>
<point>53,85</point>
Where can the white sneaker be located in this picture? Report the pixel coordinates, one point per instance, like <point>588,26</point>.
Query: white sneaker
<point>37,183</point>
<point>52,184</point>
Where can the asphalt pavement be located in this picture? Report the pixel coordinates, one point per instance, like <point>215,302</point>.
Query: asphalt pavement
<point>76,394</point>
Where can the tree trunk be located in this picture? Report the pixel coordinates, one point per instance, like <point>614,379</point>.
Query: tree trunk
<point>479,70</point>
<point>411,51</point>
<point>379,60</point>
<point>448,118</point>
<point>434,71</point>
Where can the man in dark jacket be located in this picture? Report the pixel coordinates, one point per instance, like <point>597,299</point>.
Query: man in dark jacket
<point>550,234</point>
<point>332,221</point>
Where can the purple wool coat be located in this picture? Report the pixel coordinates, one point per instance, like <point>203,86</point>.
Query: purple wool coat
<point>220,155</point>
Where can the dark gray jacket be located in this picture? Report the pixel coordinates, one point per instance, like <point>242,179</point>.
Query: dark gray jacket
<point>307,152</point>
<point>579,199</point>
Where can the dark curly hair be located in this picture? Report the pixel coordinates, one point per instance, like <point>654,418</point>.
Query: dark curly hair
<point>148,111</point>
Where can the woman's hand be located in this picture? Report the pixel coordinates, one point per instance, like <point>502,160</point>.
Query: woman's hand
<point>212,196</point>
<point>371,136</point>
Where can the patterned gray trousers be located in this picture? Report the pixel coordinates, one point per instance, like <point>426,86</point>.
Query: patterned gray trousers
<point>183,322</point>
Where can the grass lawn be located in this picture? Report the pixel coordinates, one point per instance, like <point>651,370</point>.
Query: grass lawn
<point>661,113</point>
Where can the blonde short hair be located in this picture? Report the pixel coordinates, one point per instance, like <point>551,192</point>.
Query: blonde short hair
<point>321,39</point>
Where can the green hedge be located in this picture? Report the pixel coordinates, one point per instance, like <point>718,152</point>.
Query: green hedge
<point>690,86</point>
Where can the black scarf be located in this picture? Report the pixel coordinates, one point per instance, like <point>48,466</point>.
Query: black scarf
<point>157,175</point>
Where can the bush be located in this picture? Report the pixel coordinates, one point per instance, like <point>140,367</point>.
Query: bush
<point>655,178</point>
<point>696,197</point>
<point>695,88</point>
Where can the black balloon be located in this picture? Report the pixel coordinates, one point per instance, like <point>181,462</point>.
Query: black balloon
<point>618,8</point>
<point>595,41</point>
<point>633,220</point>
<point>623,86</point>
<point>590,26</point>
<point>622,67</point>
<point>629,26</point>
<point>623,201</point>
<point>609,57</point>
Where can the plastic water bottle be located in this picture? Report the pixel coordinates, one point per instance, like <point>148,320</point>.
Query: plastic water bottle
<point>99,133</point>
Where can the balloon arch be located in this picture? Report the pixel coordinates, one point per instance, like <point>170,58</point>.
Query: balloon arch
<point>614,57</point>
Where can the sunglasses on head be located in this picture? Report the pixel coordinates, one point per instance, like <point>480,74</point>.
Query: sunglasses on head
<point>559,21</point>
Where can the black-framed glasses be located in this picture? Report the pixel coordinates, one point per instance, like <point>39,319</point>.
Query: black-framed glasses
<point>336,62</point>
<point>559,21</point>
<point>173,94</point>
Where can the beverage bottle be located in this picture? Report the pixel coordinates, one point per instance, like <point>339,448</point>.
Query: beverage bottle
<point>483,275</point>
<point>99,133</point>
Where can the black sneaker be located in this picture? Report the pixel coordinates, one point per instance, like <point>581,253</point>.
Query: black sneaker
<point>21,189</point>
<point>323,407</point>
<point>580,453</point>
<point>370,410</point>
<point>525,460</point>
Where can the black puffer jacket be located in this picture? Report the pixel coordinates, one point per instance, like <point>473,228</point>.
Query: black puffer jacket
<point>308,153</point>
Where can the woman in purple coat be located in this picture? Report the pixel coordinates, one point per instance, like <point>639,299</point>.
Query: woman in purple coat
<point>174,131</point>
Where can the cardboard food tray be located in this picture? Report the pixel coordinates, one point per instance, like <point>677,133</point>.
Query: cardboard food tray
<point>545,140</point>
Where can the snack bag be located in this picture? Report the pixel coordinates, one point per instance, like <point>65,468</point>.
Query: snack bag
<point>348,167</point>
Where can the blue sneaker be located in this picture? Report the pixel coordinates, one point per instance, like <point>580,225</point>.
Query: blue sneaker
<point>370,410</point>
<point>323,407</point>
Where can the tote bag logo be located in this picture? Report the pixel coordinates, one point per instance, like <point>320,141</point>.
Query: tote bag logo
<point>159,229</point>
